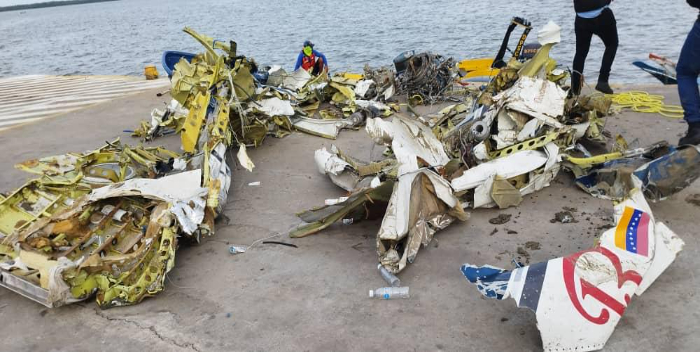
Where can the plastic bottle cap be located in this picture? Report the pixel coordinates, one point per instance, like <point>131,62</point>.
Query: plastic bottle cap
<point>371,293</point>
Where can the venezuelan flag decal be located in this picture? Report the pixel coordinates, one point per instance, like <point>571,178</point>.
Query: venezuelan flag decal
<point>632,232</point>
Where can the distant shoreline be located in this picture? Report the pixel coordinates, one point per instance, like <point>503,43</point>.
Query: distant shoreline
<point>48,4</point>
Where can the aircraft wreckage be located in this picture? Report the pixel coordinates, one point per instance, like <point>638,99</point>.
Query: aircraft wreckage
<point>107,223</point>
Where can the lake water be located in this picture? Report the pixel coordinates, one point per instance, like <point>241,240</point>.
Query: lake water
<point>122,37</point>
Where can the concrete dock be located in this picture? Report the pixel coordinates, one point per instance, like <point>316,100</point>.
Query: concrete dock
<point>314,297</point>
<point>27,99</point>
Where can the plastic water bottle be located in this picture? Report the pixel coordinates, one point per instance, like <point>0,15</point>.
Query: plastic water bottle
<point>390,278</point>
<point>236,249</point>
<point>389,293</point>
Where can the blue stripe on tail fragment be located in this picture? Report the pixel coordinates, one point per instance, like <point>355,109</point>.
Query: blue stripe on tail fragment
<point>532,289</point>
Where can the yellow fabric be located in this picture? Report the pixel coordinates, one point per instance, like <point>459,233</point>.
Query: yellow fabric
<point>308,50</point>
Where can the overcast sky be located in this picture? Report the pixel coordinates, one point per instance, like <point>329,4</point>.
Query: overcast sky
<point>22,2</point>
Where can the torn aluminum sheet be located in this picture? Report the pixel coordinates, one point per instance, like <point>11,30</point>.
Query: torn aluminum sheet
<point>296,80</point>
<point>539,98</point>
<point>506,167</point>
<point>504,194</point>
<point>110,163</point>
<point>329,163</point>
<point>541,65</point>
<point>209,152</point>
<point>364,88</point>
<point>481,152</point>
<point>218,181</point>
<point>178,189</point>
<point>52,165</point>
<point>660,177</point>
<point>389,92</point>
<point>276,75</point>
<point>194,122</point>
<point>447,112</point>
<point>348,173</point>
<point>187,77</point>
<point>243,158</point>
<point>482,193</point>
<point>496,190</point>
<point>335,201</point>
<point>172,116</point>
<point>344,95</point>
<point>529,130</point>
<point>362,204</point>
<point>55,292</point>
<point>579,299</point>
<point>396,222</point>
<point>507,130</point>
<point>549,34</point>
<point>541,178</point>
<point>322,128</point>
<point>174,188</point>
<point>421,201</point>
<point>273,107</point>
<point>336,168</point>
<point>412,143</point>
<point>421,204</point>
<point>189,214</point>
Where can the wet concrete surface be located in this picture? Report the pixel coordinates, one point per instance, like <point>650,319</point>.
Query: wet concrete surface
<point>315,297</point>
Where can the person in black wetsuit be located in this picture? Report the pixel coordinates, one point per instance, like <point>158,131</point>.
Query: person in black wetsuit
<point>594,17</point>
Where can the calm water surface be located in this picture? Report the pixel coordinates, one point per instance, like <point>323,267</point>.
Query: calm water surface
<point>122,37</point>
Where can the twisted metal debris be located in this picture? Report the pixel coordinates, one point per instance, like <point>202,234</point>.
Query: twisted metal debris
<point>107,223</point>
<point>507,142</point>
<point>427,75</point>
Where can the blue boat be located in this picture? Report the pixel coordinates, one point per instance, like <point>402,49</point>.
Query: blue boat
<point>658,72</point>
<point>664,70</point>
<point>170,58</point>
